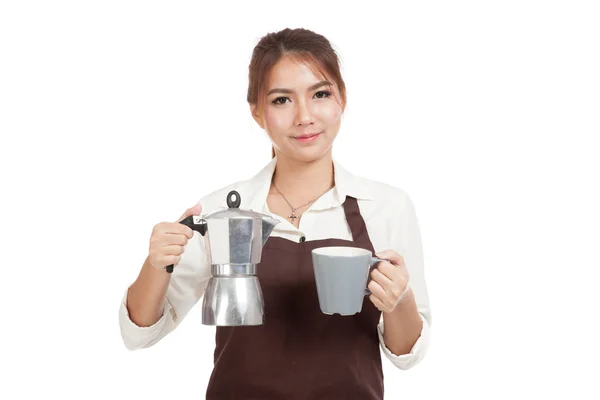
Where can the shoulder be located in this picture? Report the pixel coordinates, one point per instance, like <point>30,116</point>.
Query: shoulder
<point>369,191</point>
<point>253,192</point>
<point>386,209</point>
<point>384,193</point>
<point>381,195</point>
<point>217,199</point>
<point>249,190</point>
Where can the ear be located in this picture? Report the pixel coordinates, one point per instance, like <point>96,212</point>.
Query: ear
<point>256,115</point>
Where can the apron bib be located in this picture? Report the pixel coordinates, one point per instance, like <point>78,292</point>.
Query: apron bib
<point>299,352</point>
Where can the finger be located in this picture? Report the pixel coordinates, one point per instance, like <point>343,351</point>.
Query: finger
<point>376,289</point>
<point>177,228</point>
<point>389,270</point>
<point>171,239</point>
<point>173,250</point>
<point>195,210</point>
<point>383,280</point>
<point>391,256</point>
<point>169,260</point>
<point>376,302</point>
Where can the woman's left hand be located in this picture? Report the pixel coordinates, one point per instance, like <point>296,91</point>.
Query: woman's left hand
<point>389,281</point>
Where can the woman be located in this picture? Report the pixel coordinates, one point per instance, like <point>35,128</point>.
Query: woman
<point>297,95</point>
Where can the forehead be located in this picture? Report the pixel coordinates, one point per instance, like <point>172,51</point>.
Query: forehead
<point>293,73</point>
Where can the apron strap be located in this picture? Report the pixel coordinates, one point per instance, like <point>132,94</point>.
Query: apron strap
<point>356,222</point>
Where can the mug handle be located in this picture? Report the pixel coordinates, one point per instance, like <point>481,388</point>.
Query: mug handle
<point>374,261</point>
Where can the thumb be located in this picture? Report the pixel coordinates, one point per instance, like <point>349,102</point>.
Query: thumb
<point>391,256</point>
<point>195,210</point>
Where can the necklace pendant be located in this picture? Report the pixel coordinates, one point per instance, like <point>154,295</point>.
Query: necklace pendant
<point>293,217</point>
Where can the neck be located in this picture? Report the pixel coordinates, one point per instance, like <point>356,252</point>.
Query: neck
<point>303,181</point>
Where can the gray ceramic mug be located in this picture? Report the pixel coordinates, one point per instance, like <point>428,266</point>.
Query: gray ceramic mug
<point>342,275</point>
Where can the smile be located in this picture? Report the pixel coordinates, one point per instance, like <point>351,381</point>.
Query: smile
<point>307,138</point>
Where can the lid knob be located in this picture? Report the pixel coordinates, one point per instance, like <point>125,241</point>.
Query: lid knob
<point>233,199</point>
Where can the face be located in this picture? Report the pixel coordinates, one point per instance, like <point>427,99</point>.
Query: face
<point>301,115</point>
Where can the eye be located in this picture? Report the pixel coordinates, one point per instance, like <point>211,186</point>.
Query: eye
<point>277,100</point>
<point>325,92</point>
<point>322,94</point>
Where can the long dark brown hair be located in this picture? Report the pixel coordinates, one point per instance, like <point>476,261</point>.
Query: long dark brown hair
<point>302,44</point>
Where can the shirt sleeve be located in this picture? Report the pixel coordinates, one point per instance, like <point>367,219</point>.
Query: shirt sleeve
<point>406,240</point>
<point>186,287</point>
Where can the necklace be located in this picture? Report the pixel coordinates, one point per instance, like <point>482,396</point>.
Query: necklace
<point>294,216</point>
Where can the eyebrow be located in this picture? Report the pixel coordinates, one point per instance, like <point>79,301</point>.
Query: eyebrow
<point>313,87</point>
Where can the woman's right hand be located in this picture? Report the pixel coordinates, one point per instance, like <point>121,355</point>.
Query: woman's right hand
<point>168,240</point>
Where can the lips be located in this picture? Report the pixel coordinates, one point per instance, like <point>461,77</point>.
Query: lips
<point>308,135</point>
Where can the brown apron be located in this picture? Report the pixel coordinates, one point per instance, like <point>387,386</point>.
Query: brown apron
<point>299,352</point>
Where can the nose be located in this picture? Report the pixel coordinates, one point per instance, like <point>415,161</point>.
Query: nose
<point>303,114</point>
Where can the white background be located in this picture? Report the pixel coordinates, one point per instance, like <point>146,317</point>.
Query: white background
<point>117,115</point>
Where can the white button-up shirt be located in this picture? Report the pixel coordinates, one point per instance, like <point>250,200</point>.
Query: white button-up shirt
<point>391,222</point>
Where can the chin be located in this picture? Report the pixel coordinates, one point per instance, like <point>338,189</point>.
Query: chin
<point>309,154</point>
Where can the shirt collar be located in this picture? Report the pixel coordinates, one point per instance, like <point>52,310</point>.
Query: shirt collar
<point>254,192</point>
<point>348,184</point>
